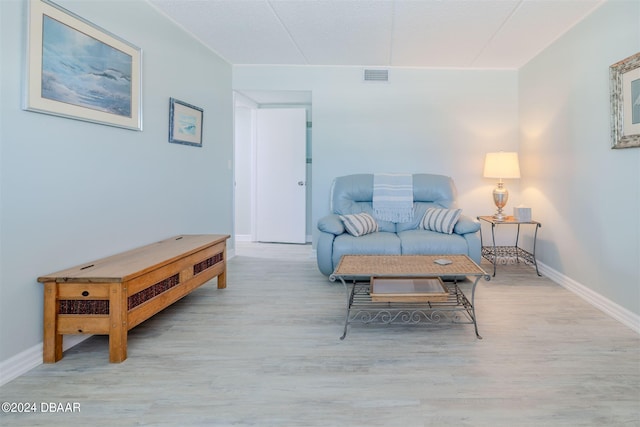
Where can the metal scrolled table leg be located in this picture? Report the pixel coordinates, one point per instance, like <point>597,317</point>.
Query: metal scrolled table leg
<point>495,251</point>
<point>349,298</point>
<point>473,301</point>
<point>517,240</point>
<point>535,239</point>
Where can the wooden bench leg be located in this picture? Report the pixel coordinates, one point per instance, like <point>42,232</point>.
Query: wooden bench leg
<point>117,323</point>
<point>51,340</point>
<point>222,277</point>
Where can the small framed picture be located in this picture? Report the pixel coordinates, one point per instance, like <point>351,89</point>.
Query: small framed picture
<point>625,102</point>
<point>185,123</point>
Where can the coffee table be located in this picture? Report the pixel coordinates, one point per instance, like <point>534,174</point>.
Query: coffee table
<point>356,272</point>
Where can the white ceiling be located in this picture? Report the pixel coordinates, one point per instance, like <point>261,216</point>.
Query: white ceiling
<point>403,33</point>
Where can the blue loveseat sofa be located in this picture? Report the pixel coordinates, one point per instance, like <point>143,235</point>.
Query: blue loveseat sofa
<point>353,194</point>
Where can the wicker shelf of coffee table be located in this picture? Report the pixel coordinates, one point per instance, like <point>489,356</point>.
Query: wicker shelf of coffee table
<point>408,289</point>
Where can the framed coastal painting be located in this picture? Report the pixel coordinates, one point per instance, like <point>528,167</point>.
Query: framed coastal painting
<point>625,102</point>
<point>185,123</point>
<point>77,70</point>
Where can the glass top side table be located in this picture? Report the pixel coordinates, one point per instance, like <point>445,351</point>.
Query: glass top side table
<point>493,252</point>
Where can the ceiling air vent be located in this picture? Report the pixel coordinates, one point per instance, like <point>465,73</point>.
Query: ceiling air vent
<point>376,75</point>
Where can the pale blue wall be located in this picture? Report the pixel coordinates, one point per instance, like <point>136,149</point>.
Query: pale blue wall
<point>74,191</point>
<point>586,194</point>
<point>433,121</point>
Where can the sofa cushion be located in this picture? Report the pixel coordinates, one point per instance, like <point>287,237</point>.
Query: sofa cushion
<point>438,189</point>
<point>331,224</point>
<point>426,242</point>
<point>380,243</point>
<point>466,225</point>
<point>440,220</point>
<point>419,209</point>
<point>359,224</point>
<point>352,195</point>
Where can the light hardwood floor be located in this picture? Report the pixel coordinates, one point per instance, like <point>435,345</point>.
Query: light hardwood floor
<point>266,352</point>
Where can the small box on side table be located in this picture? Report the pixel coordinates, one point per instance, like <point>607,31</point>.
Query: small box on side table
<point>522,214</point>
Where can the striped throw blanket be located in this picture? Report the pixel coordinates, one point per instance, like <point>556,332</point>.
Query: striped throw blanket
<point>393,197</point>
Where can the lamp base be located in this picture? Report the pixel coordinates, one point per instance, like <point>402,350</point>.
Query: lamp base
<point>500,197</point>
<point>499,216</point>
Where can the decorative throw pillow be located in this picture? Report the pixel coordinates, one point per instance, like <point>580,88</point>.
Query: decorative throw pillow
<point>440,220</point>
<point>359,224</point>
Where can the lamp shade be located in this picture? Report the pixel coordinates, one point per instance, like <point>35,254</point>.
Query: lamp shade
<point>502,165</point>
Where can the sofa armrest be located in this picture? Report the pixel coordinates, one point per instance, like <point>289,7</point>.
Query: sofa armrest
<point>466,225</point>
<point>324,252</point>
<point>331,224</point>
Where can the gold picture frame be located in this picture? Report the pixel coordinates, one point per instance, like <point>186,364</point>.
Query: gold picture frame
<point>625,102</point>
<point>77,70</point>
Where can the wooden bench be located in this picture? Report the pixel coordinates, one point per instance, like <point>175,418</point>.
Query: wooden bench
<point>114,294</point>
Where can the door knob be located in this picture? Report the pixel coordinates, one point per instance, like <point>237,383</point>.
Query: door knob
<point>301,183</point>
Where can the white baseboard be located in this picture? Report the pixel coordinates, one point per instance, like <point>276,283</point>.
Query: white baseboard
<point>619,313</point>
<point>22,363</point>
<point>248,238</point>
<point>32,357</point>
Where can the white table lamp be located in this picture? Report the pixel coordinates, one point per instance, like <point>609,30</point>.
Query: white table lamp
<point>501,165</point>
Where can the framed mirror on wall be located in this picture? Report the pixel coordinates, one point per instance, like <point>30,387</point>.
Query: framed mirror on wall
<point>625,102</point>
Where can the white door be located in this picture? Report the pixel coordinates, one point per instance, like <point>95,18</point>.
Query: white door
<point>280,175</point>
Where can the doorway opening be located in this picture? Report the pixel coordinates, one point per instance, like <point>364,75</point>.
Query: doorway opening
<point>272,172</point>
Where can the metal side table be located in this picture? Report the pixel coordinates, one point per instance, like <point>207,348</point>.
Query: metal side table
<point>493,252</point>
